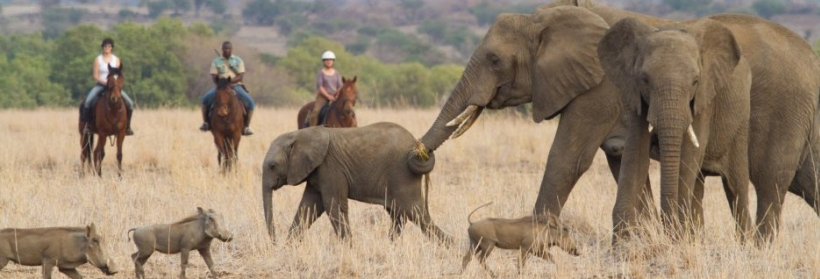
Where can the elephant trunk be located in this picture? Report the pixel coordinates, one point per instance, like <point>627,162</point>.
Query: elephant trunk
<point>420,166</point>
<point>672,124</point>
<point>456,104</point>
<point>267,192</point>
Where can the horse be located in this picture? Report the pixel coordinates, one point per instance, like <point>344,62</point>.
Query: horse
<point>340,113</point>
<point>226,123</point>
<point>110,119</point>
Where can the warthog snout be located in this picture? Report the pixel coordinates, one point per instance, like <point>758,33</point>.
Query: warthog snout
<point>228,237</point>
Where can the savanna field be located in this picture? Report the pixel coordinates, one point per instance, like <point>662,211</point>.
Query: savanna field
<point>170,168</point>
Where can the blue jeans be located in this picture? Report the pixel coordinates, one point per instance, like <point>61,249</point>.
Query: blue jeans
<point>208,99</point>
<point>94,94</point>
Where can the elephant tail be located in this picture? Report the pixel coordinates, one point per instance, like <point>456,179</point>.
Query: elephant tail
<point>427,193</point>
<point>474,210</point>
<point>129,232</point>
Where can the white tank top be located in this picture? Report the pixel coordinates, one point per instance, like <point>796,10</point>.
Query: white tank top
<point>104,68</point>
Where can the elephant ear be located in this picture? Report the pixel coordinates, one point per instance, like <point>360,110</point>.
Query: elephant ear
<point>618,51</point>
<point>566,62</point>
<point>720,54</point>
<point>307,153</point>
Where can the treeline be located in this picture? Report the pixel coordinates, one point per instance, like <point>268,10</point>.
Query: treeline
<point>166,65</point>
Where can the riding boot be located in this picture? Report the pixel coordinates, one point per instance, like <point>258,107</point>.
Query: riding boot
<point>205,126</point>
<point>248,131</point>
<point>128,131</point>
<point>85,117</point>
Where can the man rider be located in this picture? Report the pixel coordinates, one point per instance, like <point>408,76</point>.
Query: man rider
<point>228,66</point>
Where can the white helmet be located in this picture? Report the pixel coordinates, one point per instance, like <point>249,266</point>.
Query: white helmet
<point>328,55</point>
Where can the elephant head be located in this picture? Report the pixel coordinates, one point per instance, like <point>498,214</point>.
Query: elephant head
<point>290,159</point>
<point>669,77</point>
<point>547,58</point>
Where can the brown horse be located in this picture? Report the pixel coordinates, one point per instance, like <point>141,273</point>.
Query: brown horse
<point>340,113</point>
<point>226,123</point>
<point>110,120</point>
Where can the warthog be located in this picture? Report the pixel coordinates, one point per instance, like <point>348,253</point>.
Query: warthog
<point>529,235</point>
<point>192,233</point>
<point>64,247</point>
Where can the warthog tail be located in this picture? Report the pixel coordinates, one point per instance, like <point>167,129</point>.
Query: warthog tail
<point>474,210</point>
<point>129,232</point>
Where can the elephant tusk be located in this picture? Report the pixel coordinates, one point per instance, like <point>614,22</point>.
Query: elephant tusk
<point>692,136</point>
<point>465,126</point>
<point>650,128</point>
<point>470,110</point>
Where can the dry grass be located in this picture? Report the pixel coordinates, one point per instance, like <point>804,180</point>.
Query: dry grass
<point>170,169</point>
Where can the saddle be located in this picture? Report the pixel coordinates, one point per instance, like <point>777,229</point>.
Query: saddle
<point>322,115</point>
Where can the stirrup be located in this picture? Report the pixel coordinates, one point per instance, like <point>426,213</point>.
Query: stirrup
<point>247,132</point>
<point>205,127</point>
<point>129,132</point>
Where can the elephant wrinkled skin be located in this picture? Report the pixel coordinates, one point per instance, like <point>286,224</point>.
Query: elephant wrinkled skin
<point>550,58</point>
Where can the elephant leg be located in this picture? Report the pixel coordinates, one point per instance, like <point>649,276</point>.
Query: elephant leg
<point>399,220</point>
<point>697,201</point>
<point>337,210</point>
<point>646,207</point>
<point>690,170</point>
<point>576,141</point>
<point>806,183</point>
<point>737,194</point>
<point>633,175</point>
<point>418,214</point>
<point>310,209</point>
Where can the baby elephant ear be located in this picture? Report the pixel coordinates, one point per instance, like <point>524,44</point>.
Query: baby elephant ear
<point>720,54</point>
<point>618,51</point>
<point>307,153</point>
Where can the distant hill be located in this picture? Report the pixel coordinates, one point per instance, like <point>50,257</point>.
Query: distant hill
<point>392,31</point>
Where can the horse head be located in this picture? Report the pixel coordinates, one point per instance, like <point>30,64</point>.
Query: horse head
<point>114,83</point>
<point>348,96</point>
<point>224,93</point>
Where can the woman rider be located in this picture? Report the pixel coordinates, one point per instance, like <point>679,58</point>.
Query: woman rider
<point>100,76</point>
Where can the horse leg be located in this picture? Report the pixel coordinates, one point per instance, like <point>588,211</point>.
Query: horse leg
<point>99,153</point>
<point>218,140</point>
<point>120,139</point>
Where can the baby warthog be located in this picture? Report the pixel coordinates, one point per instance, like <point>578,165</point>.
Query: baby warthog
<point>530,235</point>
<point>192,233</point>
<point>66,248</point>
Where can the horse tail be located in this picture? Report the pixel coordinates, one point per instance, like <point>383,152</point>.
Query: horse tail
<point>474,210</point>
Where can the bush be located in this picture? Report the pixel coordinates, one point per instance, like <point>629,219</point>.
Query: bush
<point>768,8</point>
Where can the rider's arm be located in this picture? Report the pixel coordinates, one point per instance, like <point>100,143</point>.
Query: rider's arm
<point>240,71</point>
<point>237,78</point>
<point>96,73</point>
<point>319,78</point>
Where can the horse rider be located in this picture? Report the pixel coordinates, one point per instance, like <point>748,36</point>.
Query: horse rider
<point>100,76</point>
<point>328,84</point>
<point>228,66</point>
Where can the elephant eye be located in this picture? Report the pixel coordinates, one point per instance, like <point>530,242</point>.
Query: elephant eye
<point>494,60</point>
<point>695,82</point>
<point>645,78</point>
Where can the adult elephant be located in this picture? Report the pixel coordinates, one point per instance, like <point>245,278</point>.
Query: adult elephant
<point>550,58</point>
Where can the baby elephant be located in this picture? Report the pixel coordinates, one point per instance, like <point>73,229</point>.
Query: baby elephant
<point>529,234</point>
<point>192,233</point>
<point>368,164</point>
<point>65,248</point>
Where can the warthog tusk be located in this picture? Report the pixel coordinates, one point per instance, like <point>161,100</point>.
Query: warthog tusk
<point>465,126</point>
<point>692,136</point>
<point>470,110</point>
